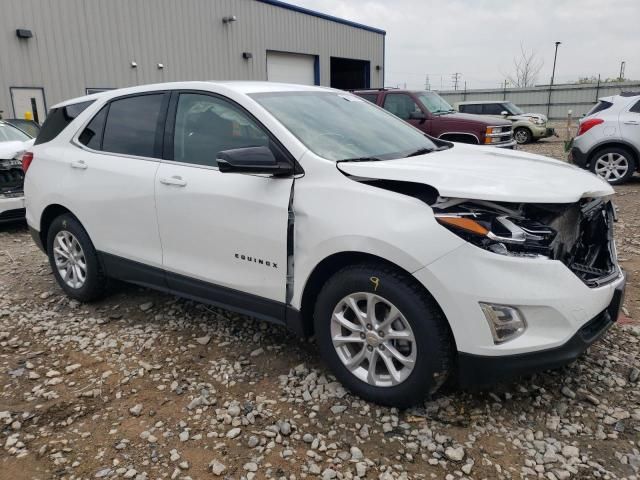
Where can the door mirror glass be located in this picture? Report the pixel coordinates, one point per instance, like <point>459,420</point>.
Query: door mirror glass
<point>416,115</point>
<point>504,113</point>
<point>251,160</point>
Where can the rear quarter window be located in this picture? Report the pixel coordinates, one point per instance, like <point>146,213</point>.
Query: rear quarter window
<point>58,119</point>
<point>600,106</point>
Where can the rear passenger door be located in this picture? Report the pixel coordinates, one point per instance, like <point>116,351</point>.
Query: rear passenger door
<point>224,235</point>
<point>114,178</point>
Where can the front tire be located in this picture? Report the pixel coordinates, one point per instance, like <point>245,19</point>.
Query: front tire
<point>522,135</point>
<point>614,164</point>
<point>382,335</point>
<point>74,261</point>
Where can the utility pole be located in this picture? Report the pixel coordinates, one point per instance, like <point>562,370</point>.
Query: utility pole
<point>553,74</point>
<point>455,78</point>
<point>427,85</point>
<point>622,65</point>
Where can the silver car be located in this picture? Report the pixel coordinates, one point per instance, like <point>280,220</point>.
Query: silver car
<point>608,138</point>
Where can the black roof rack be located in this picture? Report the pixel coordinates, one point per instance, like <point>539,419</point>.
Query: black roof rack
<point>630,94</point>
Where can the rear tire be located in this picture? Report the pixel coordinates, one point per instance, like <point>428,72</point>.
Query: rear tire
<point>398,326</point>
<point>74,261</point>
<point>522,135</point>
<point>614,164</point>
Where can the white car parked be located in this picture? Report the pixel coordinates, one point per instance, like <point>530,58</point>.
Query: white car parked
<point>13,143</point>
<point>411,259</point>
<point>608,138</point>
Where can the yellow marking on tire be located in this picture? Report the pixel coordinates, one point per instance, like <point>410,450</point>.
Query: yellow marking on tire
<point>376,283</point>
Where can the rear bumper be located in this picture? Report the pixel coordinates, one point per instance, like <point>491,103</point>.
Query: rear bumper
<point>11,209</point>
<point>577,157</point>
<point>480,371</point>
<point>35,234</point>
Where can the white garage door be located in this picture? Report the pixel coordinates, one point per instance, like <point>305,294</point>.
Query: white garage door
<point>291,68</point>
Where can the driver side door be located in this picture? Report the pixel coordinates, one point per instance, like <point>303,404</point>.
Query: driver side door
<point>224,235</point>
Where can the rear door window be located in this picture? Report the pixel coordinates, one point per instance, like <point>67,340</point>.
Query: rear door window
<point>401,105</point>
<point>473,108</point>
<point>492,109</point>
<point>58,119</point>
<point>372,97</point>
<point>132,124</point>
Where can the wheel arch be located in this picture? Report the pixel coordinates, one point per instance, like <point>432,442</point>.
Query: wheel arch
<point>329,266</point>
<point>635,154</point>
<point>49,214</point>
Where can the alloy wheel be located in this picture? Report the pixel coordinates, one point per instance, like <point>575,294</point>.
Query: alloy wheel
<point>373,339</point>
<point>70,259</point>
<point>521,136</point>
<point>611,166</point>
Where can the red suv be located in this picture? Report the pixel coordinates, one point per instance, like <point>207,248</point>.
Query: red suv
<point>430,113</point>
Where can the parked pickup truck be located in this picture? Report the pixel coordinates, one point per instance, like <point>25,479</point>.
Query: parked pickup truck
<point>527,127</point>
<point>429,112</point>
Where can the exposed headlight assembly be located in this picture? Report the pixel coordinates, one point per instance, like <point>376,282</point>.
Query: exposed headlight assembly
<point>498,231</point>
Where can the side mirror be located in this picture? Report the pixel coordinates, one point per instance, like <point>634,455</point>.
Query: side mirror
<point>504,113</point>
<point>416,116</point>
<point>251,160</point>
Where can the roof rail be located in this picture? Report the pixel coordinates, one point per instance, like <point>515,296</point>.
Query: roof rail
<point>383,89</point>
<point>629,94</point>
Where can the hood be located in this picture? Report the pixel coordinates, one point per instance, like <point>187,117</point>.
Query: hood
<point>9,150</point>
<point>487,173</point>
<point>527,116</point>
<point>471,118</point>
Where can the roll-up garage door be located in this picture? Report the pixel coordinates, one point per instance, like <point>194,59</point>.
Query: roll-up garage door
<point>291,68</point>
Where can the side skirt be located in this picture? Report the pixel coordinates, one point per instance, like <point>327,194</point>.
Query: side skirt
<point>198,290</point>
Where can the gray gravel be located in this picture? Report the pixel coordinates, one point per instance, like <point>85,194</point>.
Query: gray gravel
<point>143,385</point>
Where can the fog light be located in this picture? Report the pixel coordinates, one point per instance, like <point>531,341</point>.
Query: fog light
<point>506,323</point>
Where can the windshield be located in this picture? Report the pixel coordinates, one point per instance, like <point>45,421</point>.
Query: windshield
<point>341,126</point>
<point>513,109</point>
<point>9,133</point>
<point>434,102</point>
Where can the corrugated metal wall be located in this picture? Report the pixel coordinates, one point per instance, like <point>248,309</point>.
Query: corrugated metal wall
<point>578,98</point>
<point>79,44</point>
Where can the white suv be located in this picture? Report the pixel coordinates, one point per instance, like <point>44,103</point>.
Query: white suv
<point>411,259</point>
<point>608,138</point>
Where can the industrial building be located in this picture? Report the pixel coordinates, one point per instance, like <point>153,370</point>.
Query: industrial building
<point>54,50</point>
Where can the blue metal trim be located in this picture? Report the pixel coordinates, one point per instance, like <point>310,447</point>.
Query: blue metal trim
<point>313,13</point>
<point>316,70</point>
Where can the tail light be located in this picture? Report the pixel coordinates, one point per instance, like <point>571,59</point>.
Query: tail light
<point>588,124</point>
<point>27,158</point>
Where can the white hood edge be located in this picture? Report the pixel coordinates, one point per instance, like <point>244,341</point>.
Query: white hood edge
<point>485,173</point>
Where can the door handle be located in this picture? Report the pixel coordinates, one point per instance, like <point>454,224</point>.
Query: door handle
<point>175,181</point>
<point>632,122</point>
<point>79,165</point>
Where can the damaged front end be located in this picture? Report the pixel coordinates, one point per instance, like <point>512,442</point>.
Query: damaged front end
<point>580,235</point>
<point>11,178</point>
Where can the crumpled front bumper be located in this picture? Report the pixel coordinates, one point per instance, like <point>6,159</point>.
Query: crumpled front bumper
<point>480,371</point>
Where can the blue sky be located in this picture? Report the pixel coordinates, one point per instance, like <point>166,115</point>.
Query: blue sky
<point>479,38</point>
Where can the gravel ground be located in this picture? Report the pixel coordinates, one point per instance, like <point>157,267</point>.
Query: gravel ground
<point>144,385</point>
